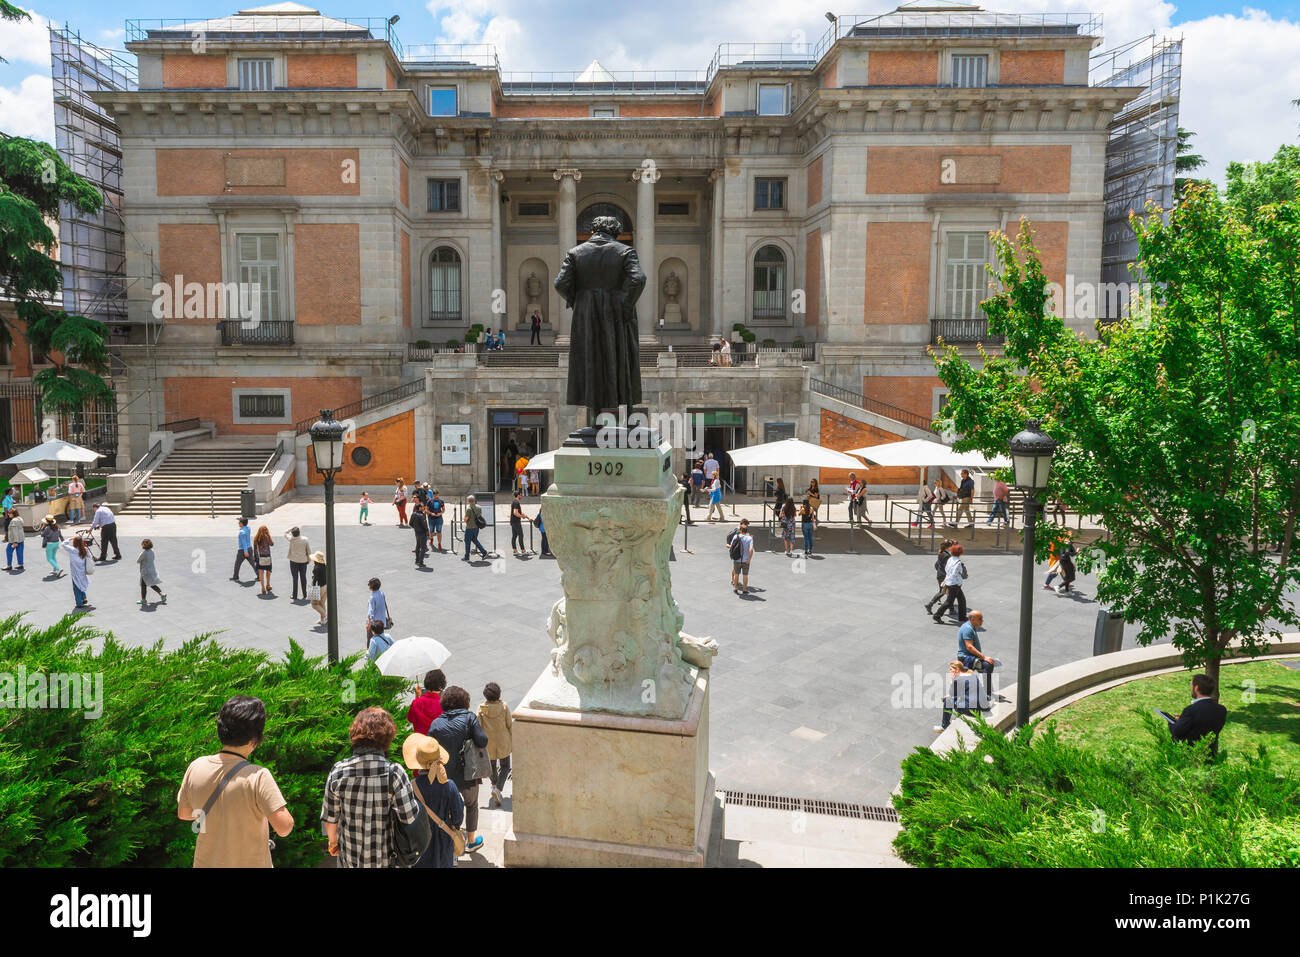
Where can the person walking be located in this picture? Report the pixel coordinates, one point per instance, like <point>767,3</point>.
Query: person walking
<point>299,558</point>
<point>517,527</point>
<point>787,525</point>
<point>364,518</point>
<point>1001,502</point>
<point>149,574</point>
<point>541,527</point>
<point>244,551</point>
<point>420,526</point>
<point>740,546</point>
<point>1053,566</point>
<point>925,498</point>
<point>399,500</point>
<point>940,501</point>
<point>940,571</point>
<point>15,537</point>
<point>76,500</point>
<point>380,641</point>
<point>853,494</point>
<point>263,543</point>
<point>439,798</point>
<point>535,329</point>
<point>711,468</point>
<point>50,538</point>
<point>235,803</point>
<point>972,656</point>
<point>437,508</point>
<point>473,516</point>
<point>780,495</point>
<point>428,705</point>
<point>452,729</point>
<point>808,525</point>
<point>697,480</point>
<point>363,794</point>
<point>319,587</point>
<point>1066,556</point>
<point>965,496</point>
<point>494,717</point>
<point>80,567</point>
<point>376,609</point>
<point>715,497</point>
<point>106,523</point>
<point>954,575</point>
<point>814,496</point>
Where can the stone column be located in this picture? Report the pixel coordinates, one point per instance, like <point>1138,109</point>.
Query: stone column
<point>567,214</point>
<point>498,260</point>
<point>647,313</point>
<point>715,325</point>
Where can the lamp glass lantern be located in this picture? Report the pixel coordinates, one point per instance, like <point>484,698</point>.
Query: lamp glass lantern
<point>1031,454</point>
<point>327,443</point>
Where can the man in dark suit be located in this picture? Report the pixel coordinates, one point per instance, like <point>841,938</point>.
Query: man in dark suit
<point>1203,716</point>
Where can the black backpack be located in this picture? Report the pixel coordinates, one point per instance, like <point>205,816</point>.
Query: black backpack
<point>411,840</point>
<point>737,550</point>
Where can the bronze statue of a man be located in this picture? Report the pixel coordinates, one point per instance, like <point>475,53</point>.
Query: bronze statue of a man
<point>601,281</point>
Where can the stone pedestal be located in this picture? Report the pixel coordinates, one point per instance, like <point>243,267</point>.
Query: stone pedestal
<point>605,790</point>
<point>611,742</point>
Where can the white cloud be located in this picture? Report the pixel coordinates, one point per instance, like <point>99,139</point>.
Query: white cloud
<point>108,36</point>
<point>27,41</point>
<point>28,110</point>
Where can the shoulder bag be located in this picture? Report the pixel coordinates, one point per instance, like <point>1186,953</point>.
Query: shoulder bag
<point>456,834</point>
<point>410,840</point>
<point>475,762</point>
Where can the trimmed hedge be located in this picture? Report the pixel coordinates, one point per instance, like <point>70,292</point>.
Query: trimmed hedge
<point>102,793</point>
<point>1035,801</point>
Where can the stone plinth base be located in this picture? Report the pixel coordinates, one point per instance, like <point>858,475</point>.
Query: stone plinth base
<point>607,790</point>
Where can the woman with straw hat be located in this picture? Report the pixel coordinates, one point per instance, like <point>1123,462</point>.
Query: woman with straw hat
<point>50,537</point>
<point>317,593</point>
<point>440,797</point>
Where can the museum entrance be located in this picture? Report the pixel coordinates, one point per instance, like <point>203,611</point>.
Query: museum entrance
<point>516,433</point>
<point>724,429</point>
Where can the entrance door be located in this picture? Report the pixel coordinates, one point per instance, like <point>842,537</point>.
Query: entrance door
<point>515,434</point>
<point>724,429</point>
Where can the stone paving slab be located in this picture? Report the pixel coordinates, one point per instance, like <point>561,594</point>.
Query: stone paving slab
<point>839,646</point>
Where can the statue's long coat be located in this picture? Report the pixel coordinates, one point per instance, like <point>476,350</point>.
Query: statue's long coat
<point>601,281</point>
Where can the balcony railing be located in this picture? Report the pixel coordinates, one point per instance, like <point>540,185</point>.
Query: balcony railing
<point>962,330</point>
<point>264,333</point>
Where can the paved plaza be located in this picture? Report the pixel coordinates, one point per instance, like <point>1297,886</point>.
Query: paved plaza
<point>818,690</point>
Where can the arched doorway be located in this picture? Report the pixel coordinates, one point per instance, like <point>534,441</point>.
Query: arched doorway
<point>604,209</point>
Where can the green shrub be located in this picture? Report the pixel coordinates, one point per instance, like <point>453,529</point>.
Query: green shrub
<point>748,335</point>
<point>737,327</point>
<point>422,343</point>
<point>1034,801</point>
<point>453,343</point>
<point>769,343</point>
<point>471,337</point>
<point>798,342</point>
<point>99,793</point>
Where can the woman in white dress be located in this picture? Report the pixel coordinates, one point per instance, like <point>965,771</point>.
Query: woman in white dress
<point>79,565</point>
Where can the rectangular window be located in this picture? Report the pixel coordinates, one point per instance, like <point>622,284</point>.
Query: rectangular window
<point>606,112</point>
<point>261,407</point>
<point>442,101</point>
<point>444,195</point>
<point>769,192</point>
<point>256,74</point>
<point>773,99</point>
<point>965,278</point>
<point>259,265</point>
<point>675,209</point>
<point>970,70</point>
<point>534,209</point>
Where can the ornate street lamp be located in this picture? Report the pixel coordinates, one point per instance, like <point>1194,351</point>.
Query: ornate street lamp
<point>1031,454</point>
<point>327,446</point>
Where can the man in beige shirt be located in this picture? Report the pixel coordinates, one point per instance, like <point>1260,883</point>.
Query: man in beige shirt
<point>234,830</point>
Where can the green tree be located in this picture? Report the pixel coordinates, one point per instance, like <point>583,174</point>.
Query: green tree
<point>1179,426</point>
<point>33,179</point>
<point>1185,161</point>
<point>1251,186</point>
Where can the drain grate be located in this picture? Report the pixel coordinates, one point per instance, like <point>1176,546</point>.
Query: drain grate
<point>775,802</point>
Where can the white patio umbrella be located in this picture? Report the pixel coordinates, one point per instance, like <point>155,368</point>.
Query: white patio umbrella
<point>793,453</point>
<point>922,453</point>
<point>412,657</point>
<point>543,461</point>
<point>55,450</point>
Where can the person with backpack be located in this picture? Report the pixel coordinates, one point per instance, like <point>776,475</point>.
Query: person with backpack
<point>436,509</point>
<point>940,570</point>
<point>1065,556</point>
<point>955,574</point>
<point>231,802</point>
<point>474,523</point>
<point>357,810</point>
<point>50,538</point>
<point>439,798</point>
<point>455,729</point>
<point>541,527</point>
<point>380,641</point>
<point>740,546</point>
<point>419,523</point>
<point>376,610</point>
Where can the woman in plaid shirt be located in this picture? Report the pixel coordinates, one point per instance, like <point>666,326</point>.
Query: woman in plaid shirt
<point>360,791</point>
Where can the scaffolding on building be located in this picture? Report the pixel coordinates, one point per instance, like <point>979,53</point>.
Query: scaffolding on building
<point>1142,147</point>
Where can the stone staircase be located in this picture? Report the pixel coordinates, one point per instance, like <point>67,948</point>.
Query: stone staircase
<point>199,481</point>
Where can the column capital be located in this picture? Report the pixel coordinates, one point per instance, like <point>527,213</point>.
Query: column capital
<point>497,175</point>
<point>716,173</point>
<point>564,171</point>
<point>647,174</point>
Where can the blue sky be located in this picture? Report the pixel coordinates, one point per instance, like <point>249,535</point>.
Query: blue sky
<point>1241,64</point>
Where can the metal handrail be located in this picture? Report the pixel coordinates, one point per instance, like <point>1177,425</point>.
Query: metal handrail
<point>274,457</point>
<point>369,403</point>
<point>142,466</point>
<point>870,405</point>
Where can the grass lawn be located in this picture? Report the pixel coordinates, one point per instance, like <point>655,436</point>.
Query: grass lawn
<point>1271,719</point>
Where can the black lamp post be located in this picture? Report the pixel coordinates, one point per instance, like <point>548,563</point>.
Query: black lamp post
<point>327,445</point>
<point>1031,454</point>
